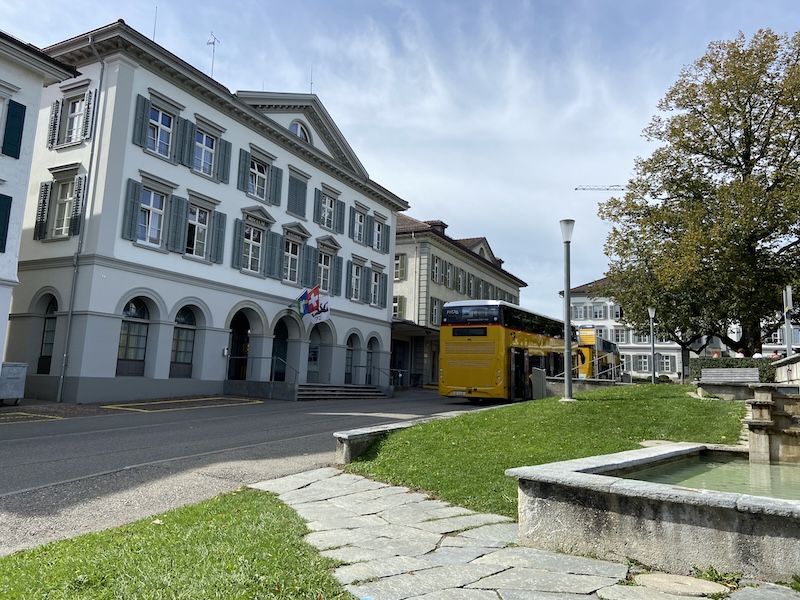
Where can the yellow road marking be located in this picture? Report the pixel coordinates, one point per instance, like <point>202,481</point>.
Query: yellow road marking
<point>16,417</point>
<point>180,404</point>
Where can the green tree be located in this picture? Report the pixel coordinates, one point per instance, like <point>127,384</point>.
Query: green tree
<point>708,228</point>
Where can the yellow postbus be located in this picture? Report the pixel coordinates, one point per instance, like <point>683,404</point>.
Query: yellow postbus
<point>597,358</point>
<point>488,348</point>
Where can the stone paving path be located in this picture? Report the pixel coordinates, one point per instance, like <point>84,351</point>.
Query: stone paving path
<point>398,544</point>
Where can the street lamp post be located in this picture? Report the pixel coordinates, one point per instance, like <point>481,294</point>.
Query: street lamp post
<point>566,234</point>
<point>652,312</point>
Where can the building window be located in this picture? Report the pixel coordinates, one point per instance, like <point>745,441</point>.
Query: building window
<point>358,226</point>
<point>600,332</point>
<point>667,363</point>
<point>662,338</point>
<point>70,119</point>
<point>291,261</point>
<point>151,217</point>
<point>436,269</point>
<point>65,198</point>
<point>324,265</point>
<point>257,179</point>
<point>616,311</point>
<point>460,281</point>
<point>642,363</point>
<point>471,286</point>
<point>204,153</point>
<point>400,261</point>
<point>182,344</point>
<point>377,236</point>
<point>159,132</point>
<point>197,233</point>
<point>58,213</point>
<point>776,337</point>
<point>300,130</point>
<point>599,311</point>
<point>133,338</point>
<point>375,295</point>
<point>620,335</point>
<point>436,312</point>
<point>627,362</point>
<point>641,338</point>
<point>398,307</point>
<point>578,312</point>
<point>327,211</point>
<point>448,275</point>
<point>253,248</point>
<point>355,281</point>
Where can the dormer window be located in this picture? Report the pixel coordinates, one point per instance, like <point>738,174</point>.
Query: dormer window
<point>300,130</point>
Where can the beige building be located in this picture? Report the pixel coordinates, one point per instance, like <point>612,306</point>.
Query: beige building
<point>431,268</point>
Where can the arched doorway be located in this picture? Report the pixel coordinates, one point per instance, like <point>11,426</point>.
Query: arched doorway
<point>320,354</point>
<point>351,359</point>
<point>133,338</point>
<point>280,351</point>
<point>373,348</point>
<point>239,347</point>
<point>183,335</point>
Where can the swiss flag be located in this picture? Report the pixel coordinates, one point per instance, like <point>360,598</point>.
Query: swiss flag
<point>313,299</point>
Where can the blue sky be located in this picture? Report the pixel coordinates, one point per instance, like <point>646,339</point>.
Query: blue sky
<point>483,114</point>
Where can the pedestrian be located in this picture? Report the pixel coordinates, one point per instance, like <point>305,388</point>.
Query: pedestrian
<point>740,353</point>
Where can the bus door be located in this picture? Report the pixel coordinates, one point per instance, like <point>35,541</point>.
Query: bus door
<point>519,374</point>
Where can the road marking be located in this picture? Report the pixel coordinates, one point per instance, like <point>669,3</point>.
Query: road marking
<point>401,416</point>
<point>181,404</point>
<point>23,417</point>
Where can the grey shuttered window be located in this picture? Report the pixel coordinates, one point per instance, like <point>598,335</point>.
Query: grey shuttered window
<point>309,273</point>
<point>366,285</point>
<point>296,201</point>
<point>274,255</point>
<point>77,205</point>
<point>237,254</point>
<point>132,200</point>
<point>243,175</point>
<point>183,147</point>
<point>218,237</point>
<point>369,230</point>
<point>336,276</point>
<point>178,224</point>
<point>55,119</point>
<point>5,216</point>
<point>141,118</point>
<point>275,185</point>
<point>222,161</point>
<point>383,290</point>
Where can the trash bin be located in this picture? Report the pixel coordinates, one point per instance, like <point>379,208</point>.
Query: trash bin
<point>12,382</point>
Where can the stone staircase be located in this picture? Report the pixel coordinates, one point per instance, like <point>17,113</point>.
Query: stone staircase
<point>321,391</point>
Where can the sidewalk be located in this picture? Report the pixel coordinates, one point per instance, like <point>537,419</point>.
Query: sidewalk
<point>398,544</point>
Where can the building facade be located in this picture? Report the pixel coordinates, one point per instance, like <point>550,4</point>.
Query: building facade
<point>635,348</point>
<point>431,268</point>
<point>172,225</point>
<point>24,71</point>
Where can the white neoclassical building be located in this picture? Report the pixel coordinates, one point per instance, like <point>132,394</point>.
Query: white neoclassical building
<point>24,71</point>
<point>171,224</point>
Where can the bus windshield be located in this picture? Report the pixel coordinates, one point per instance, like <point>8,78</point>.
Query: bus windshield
<point>470,315</point>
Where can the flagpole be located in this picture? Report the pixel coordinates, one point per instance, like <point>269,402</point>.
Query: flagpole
<point>213,43</point>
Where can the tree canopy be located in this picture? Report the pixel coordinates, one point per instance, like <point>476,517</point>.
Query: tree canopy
<point>708,228</point>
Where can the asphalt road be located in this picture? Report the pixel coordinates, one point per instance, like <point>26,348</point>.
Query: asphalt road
<point>67,469</point>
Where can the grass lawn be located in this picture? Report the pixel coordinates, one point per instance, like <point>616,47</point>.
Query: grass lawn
<point>463,460</point>
<point>244,544</point>
<point>247,544</point>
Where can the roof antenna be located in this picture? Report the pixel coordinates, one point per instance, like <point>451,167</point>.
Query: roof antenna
<point>311,88</point>
<point>213,43</point>
<point>155,20</point>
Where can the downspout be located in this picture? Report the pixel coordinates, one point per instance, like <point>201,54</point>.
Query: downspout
<point>81,230</point>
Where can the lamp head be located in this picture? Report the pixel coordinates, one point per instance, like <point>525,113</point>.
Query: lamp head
<point>651,310</point>
<point>566,229</point>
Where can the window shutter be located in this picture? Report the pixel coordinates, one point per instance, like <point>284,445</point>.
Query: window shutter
<point>387,232</point>
<point>338,216</point>
<point>222,160</point>
<point>369,230</point>
<point>336,284</point>
<point>77,205</point>
<point>55,117</point>
<point>348,288</point>
<point>184,142</point>
<point>275,185</point>
<point>141,118</point>
<point>242,180</point>
<point>401,307</point>
<point>15,122</point>
<point>401,267</point>
<point>88,114</point>
<point>274,255</point>
<point>366,285</point>
<point>317,216</point>
<point>40,228</point>
<point>5,216</point>
<point>132,202</point>
<point>309,276</point>
<point>605,311</point>
<point>238,244</point>
<point>296,202</point>
<point>218,222</point>
<point>433,268</point>
<point>351,228</point>
<point>383,290</point>
<point>178,224</point>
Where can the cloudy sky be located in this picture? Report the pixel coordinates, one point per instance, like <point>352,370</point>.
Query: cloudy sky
<point>486,114</point>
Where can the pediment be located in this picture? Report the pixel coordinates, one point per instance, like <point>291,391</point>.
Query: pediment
<point>284,108</point>
<point>297,229</point>
<point>328,242</point>
<point>259,214</point>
